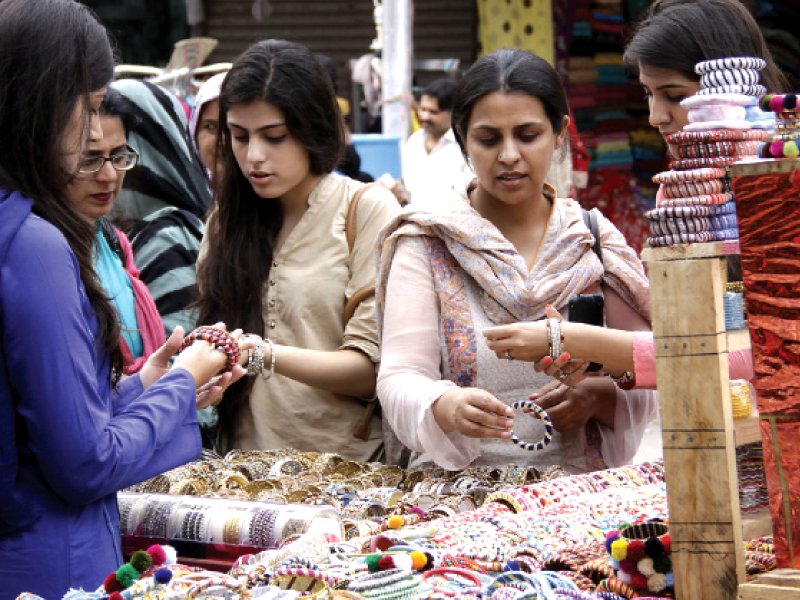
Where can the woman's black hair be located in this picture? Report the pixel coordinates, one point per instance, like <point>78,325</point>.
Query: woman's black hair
<point>53,55</point>
<point>241,235</point>
<point>678,34</point>
<point>508,71</point>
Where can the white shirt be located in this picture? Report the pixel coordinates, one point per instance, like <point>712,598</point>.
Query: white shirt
<point>444,166</point>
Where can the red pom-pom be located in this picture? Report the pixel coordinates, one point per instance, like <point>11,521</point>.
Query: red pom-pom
<point>636,550</point>
<point>628,566</point>
<point>111,584</point>
<point>115,596</point>
<point>666,541</point>
<point>157,553</point>
<point>382,543</point>
<point>639,581</point>
<point>385,563</point>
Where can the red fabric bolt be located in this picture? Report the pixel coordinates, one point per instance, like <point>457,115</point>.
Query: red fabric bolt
<point>636,550</point>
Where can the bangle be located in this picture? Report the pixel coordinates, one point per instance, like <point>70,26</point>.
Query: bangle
<point>255,360</point>
<point>548,426</point>
<point>730,62</point>
<point>269,375</point>
<point>218,338</point>
<point>554,337</point>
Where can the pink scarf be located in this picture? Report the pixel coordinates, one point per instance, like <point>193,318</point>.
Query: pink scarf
<point>149,321</point>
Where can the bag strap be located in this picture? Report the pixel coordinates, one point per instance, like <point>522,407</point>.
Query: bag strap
<point>350,235</point>
<point>590,220</point>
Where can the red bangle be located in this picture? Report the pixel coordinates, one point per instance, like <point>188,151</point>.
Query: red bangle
<point>219,338</point>
<point>464,573</point>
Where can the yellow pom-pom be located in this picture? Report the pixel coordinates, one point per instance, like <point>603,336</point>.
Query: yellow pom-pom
<point>790,149</point>
<point>619,549</point>
<point>395,522</point>
<point>418,560</point>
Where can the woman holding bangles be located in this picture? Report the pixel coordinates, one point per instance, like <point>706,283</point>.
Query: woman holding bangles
<point>277,260</point>
<point>453,267</point>
<point>72,432</point>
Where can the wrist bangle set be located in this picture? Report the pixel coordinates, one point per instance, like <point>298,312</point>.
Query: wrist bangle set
<point>554,338</point>
<point>218,338</point>
<point>255,360</point>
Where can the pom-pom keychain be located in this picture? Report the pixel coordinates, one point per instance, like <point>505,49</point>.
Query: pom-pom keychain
<point>157,554</point>
<point>163,575</point>
<point>141,561</point>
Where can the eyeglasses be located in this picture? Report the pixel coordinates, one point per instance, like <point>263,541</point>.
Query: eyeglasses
<point>121,161</point>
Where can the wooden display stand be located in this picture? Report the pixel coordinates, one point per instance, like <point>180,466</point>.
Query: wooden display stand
<point>691,347</point>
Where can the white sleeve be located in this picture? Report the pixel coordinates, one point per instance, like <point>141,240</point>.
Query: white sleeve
<point>410,379</point>
<point>635,409</point>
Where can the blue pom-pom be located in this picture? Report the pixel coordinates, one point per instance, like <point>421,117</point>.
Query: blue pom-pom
<point>163,575</point>
<point>670,579</point>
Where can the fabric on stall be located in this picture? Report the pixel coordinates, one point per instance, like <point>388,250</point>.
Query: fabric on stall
<point>525,24</point>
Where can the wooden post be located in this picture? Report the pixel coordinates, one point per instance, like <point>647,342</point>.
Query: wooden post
<point>697,422</point>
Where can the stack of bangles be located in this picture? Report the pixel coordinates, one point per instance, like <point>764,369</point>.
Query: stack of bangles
<point>454,582</point>
<point>218,338</point>
<point>255,358</point>
<point>548,426</point>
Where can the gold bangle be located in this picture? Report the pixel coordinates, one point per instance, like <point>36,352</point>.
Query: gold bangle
<point>231,532</point>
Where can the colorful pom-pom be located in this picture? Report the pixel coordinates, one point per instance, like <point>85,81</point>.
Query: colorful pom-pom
<point>126,575</point>
<point>656,583</point>
<point>628,566</point>
<point>790,149</point>
<point>170,555</point>
<point>115,596</point>
<point>403,562</point>
<point>619,549</point>
<point>639,581</point>
<point>395,522</point>
<point>430,563</point>
<point>141,561</point>
<point>157,553</point>
<point>645,567</point>
<point>666,541</point>
<point>669,579</point>
<point>790,102</point>
<point>662,564</point>
<point>111,584</point>
<point>381,542</point>
<point>418,560</point>
<point>776,148</point>
<point>763,151</point>
<point>417,511</point>
<point>653,548</point>
<point>636,550</point>
<point>776,103</point>
<point>764,102</point>
<point>162,575</point>
<point>372,562</point>
<point>385,563</point>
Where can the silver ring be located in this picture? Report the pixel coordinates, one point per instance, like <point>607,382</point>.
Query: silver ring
<point>508,355</point>
<point>562,376</point>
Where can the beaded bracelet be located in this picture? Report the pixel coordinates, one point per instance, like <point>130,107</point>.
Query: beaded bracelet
<point>688,137</point>
<point>548,426</point>
<point>682,189</point>
<point>696,163</point>
<point>219,338</point>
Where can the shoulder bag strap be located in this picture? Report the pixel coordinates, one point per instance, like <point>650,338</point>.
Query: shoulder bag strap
<point>350,228</point>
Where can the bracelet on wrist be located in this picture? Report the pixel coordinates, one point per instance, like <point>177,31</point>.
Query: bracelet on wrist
<point>271,372</point>
<point>218,338</point>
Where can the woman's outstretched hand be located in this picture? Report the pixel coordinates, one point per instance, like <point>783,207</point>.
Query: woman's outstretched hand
<point>473,412</point>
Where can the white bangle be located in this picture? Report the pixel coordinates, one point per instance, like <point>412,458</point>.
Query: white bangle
<point>269,375</point>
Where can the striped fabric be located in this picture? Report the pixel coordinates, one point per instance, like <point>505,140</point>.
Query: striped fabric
<point>166,196</point>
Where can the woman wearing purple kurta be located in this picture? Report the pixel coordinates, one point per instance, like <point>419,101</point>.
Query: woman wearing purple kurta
<point>69,436</point>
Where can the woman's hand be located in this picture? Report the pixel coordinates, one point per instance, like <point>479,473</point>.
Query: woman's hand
<point>204,361</point>
<point>569,371</point>
<point>518,341</point>
<point>157,364</point>
<point>473,413</point>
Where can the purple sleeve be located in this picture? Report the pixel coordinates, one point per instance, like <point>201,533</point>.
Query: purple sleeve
<point>85,447</point>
